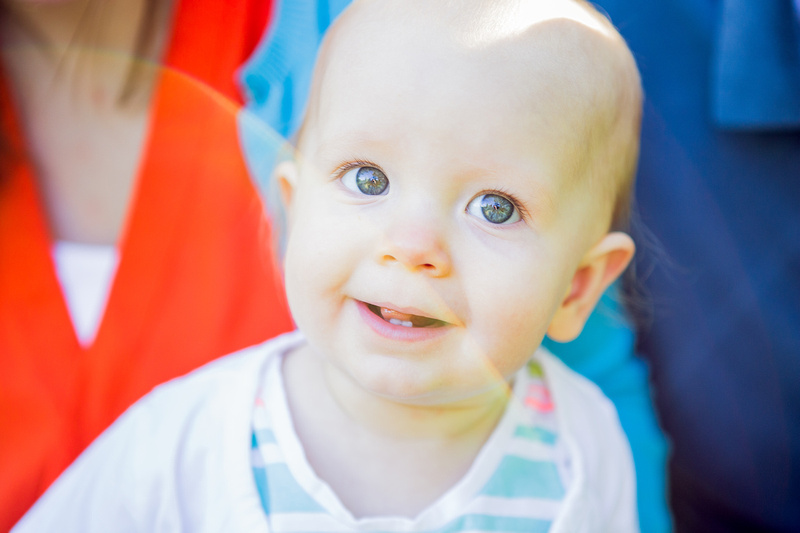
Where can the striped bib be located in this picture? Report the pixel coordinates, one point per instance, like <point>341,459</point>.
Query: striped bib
<point>516,483</point>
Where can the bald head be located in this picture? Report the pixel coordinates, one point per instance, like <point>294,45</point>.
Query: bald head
<point>558,66</point>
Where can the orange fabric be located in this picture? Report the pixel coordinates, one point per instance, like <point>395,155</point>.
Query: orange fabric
<point>195,279</point>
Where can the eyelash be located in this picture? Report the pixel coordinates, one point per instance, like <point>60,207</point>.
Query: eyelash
<point>347,165</point>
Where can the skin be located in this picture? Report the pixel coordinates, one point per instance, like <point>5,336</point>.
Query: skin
<point>67,63</point>
<point>449,107</point>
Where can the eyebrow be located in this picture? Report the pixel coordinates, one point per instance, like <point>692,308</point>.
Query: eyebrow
<point>327,146</point>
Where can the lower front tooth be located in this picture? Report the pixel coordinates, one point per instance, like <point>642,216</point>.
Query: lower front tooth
<point>398,322</point>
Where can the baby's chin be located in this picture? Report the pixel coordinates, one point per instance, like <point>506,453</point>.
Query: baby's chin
<point>424,383</point>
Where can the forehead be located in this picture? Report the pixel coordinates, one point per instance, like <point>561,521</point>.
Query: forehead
<point>528,49</point>
<point>527,95</point>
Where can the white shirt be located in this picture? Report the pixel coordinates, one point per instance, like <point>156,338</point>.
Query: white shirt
<point>179,459</point>
<point>86,273</point>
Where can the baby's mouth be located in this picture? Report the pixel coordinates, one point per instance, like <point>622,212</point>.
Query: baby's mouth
<point>404,319</point>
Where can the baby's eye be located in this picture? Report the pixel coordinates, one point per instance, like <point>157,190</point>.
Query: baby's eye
<point>367,180</point>
<point>493,207</point>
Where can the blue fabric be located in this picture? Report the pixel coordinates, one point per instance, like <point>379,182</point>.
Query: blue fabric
<point>287,55</point>
<point>756,73</point>
<point>276,81</point>
<point>724,346</point>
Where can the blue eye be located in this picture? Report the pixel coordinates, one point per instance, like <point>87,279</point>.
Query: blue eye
<point>493,207</point>
<point>367,180</point>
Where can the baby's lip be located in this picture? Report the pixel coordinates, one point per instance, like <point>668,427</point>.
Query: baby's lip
<point>418,318</point>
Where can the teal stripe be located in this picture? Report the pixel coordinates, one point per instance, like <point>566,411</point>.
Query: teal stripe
<point>489,523</point>
<point>536,433</point>
<point>508,524</point>
<point>516,477</point>
<point>260,475</point>
<point>290,498</point>
<point>265,436</point>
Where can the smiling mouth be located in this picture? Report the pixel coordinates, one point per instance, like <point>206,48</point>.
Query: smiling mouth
<point>404,319</point>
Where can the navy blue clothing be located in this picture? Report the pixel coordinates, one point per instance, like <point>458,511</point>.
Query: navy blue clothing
<point>719,186</point>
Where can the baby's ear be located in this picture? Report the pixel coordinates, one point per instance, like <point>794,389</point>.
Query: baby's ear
<point>601,265</point>
<point>285,176</point>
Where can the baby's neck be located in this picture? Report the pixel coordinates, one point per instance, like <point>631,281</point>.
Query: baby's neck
<point>383,457</point>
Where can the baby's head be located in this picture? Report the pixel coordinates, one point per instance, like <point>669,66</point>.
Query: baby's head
<point>464,164</point>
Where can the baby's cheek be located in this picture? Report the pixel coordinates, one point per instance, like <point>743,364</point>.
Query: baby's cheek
<point>518,326</point>
<point>325,255</point>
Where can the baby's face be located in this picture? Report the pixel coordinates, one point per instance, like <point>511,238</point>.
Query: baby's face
<point>432,233</point>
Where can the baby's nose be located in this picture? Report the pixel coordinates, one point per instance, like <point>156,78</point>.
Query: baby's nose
<point>418,247</point>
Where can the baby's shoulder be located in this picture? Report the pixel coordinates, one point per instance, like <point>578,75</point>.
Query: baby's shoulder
<point>605,482</point>
<point>574,395</point>
<point>176,460</point>
<point>218,394</point>
<point>240,370</point>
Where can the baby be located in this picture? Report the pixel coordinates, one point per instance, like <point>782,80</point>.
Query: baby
<point>462,177</point>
